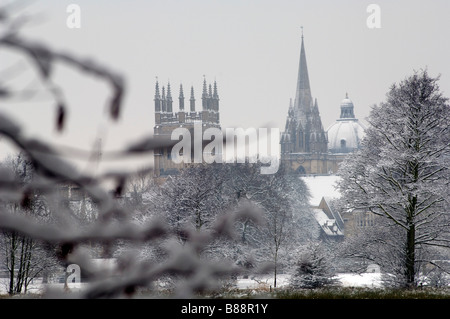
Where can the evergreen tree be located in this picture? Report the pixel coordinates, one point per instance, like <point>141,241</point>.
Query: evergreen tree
<point>313,269</point>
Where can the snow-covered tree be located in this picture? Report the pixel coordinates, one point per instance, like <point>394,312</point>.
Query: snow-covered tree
<point>287,220</point>
<point>194,198</point>
<point>313,269</point>
<point>201,193</point>
<point>25,258</point>
<point>402,173</point>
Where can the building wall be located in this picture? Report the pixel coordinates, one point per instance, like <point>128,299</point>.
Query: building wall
<point>358,220</point>
<point>313,163</point>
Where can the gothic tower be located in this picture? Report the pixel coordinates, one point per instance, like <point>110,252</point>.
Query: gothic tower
<point>304,141</point>
<point>166,120</point>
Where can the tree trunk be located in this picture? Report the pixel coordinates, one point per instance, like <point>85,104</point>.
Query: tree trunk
<point>27,276</point>
<point>275,269</point>
<point>410,256</point>
<point>12,263</point>
<point>411,243</point>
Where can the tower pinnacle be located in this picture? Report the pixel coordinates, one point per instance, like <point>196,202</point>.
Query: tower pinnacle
<point>169,99</point>
<point>181,98</point>
<point>192,100</point>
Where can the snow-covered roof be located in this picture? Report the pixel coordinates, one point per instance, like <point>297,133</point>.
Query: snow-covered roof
<point>329,226</point>
<point>321,186</point>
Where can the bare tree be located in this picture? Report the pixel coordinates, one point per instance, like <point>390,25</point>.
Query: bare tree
<point>24,257</point>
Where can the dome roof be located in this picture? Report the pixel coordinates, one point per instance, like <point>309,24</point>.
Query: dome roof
<point>346,102</point>
<point>345,135</point>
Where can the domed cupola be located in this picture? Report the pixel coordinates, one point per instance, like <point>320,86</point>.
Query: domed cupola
<point>345,135</point>
<point>347,108</point>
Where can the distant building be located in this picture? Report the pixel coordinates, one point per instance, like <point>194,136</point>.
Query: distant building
<point>335,224</point>
<point>306,148</point>
<point>330,221</point>
<point>166,120</point>
<point>304,141</point>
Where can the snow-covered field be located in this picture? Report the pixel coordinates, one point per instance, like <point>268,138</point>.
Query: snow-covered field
<point>320,186</point>
<point>368,280</point>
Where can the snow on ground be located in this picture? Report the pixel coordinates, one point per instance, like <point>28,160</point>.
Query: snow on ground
<point>34,287</point>
<point>367,280</point>
<point>321,186</point>
<point>262,282</point>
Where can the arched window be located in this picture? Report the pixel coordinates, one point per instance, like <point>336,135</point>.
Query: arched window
<point>343,143</point>
<point>301,170</point>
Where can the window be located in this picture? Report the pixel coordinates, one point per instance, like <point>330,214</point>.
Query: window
<point>365,219</point>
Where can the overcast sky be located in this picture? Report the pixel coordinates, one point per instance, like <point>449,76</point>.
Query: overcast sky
<point>251,48</point>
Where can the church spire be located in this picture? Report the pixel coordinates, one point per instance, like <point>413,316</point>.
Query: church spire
<point>303,97</point>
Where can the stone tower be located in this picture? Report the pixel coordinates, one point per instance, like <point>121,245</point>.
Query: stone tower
<point>166,120</point>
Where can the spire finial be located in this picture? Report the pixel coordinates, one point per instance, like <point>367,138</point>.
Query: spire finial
<point>346,95</point>
<point>302,31</point>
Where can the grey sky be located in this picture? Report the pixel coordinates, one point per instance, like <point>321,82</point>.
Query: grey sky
<point>251,48</point>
